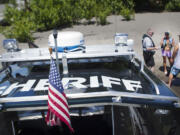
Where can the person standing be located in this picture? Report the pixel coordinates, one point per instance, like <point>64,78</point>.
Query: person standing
<point>149,49</point>
<point>176,60</point>
<point>166,43</point>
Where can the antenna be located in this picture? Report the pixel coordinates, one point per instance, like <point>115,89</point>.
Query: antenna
<point>55,34</point>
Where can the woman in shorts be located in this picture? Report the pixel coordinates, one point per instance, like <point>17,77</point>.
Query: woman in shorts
<point>166,45</point>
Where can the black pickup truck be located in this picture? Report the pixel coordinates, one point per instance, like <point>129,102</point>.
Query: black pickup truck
<point>109,91</point>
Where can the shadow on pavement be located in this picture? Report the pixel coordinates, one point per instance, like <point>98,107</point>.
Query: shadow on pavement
<point>176,82</point>
<point>161,68</point>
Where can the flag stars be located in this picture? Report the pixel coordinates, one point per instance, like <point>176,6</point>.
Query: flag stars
<point>55,81</point>
<point>55,76</point>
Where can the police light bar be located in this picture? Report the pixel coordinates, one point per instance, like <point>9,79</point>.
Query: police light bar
<point>10,45</point>
<point>130,44</point>
<point>121,39</point>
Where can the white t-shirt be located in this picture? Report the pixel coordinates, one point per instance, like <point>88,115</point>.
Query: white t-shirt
<point>177,59</point>
<point>147,43</point>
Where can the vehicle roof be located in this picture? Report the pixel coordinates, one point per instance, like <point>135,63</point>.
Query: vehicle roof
<point>91,51</point>
<point>106,78</point>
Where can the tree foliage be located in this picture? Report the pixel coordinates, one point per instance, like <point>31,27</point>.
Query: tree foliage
<point>41,15</point>
<point>157,5</point>
<point>173,5</point>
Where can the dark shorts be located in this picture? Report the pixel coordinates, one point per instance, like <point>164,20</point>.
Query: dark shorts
<point>148,58</point>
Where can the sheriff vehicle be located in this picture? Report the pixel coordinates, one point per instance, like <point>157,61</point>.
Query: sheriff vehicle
<point>108,88</point>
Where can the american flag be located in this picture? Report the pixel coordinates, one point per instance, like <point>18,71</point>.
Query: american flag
<point>58,110</point>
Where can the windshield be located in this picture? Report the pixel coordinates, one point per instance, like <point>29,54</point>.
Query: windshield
<point>85,75</point>
<point>110,120</point>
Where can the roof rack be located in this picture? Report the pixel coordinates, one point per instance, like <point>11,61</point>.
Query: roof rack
<point>92,51</point>
<point>112,97</point>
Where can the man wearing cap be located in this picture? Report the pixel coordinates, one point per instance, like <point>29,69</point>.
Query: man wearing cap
<point>149,49</point>
<point>176,60</point>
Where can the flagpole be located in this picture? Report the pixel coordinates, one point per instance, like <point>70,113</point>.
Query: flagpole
<point>50,51</point>
<point>55,34</point>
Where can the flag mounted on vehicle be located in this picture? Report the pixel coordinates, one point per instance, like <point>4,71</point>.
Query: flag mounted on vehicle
<point>58,110</point>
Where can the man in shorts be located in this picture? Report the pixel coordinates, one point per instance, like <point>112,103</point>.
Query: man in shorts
<point>149,49</point>
<point>176,60</point>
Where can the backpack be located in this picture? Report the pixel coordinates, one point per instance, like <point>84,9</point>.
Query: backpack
<point>144,36</point>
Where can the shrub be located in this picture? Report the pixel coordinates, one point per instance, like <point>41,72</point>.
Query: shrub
<point>20,30</point>
<point>101,15</point>
<point>116,6</point>
<point>150,5</point>
<point>12,14</point>
<point>127,14</point>
<point>21,24</point>
<point>173,5</point>
<point>122,7</point>
<point>2,29</point>
<point>4,1</point>
<point>76,11</point>
<point>127,9</point>
<point>88,8</point>
<point>43,15</point>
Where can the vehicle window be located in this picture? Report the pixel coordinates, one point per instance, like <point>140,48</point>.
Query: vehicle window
<point>110,120</point>
<point>155,121</point>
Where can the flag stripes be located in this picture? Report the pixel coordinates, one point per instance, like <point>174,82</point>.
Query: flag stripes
<point>58,105</point>
<point>58,110</point>
<point>59,96</point>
